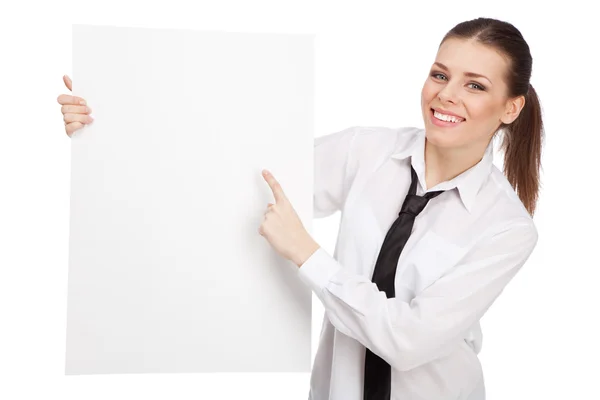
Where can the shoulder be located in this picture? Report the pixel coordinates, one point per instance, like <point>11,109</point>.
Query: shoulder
<point>505,210</point>
<point>380,141</point>
<point>505,194</point>
<point>385,133</point>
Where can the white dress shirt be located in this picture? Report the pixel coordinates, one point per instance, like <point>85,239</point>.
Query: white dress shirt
<point>466,245</point>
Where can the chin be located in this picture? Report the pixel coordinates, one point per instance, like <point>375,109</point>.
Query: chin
<point>440,137</point>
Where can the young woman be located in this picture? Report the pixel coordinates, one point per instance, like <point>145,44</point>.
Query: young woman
<point>431,231</point>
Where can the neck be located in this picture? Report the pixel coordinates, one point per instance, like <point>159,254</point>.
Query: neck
<point>444,164</point>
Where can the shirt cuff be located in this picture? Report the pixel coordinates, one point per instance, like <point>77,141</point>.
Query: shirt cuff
<point>318,269</point>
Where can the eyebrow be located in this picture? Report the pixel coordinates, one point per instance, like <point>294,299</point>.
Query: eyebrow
<point>469,74</point>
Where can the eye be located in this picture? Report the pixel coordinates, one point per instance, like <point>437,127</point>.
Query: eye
<point>477,85</point>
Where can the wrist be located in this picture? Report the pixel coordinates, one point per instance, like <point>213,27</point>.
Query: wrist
<point>305,250</point>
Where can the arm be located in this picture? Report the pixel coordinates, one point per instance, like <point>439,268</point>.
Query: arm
<point>331,180</point>
<point>409,334</point>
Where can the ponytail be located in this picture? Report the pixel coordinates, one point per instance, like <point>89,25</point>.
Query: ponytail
<point>522,145</point>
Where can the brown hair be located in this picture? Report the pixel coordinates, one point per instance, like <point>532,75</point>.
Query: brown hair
<point>522,142</point>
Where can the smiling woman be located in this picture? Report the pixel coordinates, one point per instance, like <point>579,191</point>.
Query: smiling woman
<point>409,281</point>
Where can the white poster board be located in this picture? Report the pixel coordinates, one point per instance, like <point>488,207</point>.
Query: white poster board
<point>167,270</point>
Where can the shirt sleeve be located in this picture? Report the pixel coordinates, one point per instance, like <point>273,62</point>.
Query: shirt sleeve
<point>409,334</point>
<point>332,153</point>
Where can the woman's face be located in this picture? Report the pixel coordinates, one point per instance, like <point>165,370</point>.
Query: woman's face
<point>480,101</point>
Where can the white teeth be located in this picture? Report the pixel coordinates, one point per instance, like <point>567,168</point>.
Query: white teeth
<point>444,117</point>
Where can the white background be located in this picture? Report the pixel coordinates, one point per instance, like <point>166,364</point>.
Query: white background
<point>540,337</point>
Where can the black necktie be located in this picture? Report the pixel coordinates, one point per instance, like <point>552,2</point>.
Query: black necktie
<point>378,372</point>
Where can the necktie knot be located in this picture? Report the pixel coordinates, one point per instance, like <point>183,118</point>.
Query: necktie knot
<point>414,204</point>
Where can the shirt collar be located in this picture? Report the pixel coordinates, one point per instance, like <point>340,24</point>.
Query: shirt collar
<point>467,183</point>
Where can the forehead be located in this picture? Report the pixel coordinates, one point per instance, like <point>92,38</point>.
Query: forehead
<point>469,56</point>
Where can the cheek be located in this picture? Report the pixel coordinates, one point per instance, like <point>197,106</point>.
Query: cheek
<point>480,111</point>
<point>427,92</point>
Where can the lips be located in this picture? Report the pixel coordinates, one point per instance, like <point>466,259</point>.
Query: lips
<point>441,123</point>
<point>449,113</point>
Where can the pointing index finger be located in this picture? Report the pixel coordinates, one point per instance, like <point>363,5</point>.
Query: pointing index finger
<point>275,186</point>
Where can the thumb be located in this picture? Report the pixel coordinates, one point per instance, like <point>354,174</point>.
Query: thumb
<point>68,82</point>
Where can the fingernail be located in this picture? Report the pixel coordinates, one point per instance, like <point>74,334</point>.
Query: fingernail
<point>82,102</point>
<point>89,110</point>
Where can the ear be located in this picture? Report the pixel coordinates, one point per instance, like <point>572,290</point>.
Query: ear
<point>513,109</point>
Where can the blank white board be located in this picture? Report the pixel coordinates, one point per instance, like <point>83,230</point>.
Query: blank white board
<point>167,270</point>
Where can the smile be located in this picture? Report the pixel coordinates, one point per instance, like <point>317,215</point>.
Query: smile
<point>444,120</point>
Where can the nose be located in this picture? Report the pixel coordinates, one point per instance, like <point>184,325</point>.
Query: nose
<point>448,94</point>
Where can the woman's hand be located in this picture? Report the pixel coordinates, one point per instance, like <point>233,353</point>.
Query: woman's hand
<point>283,229</point>
<point>74,109</point>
